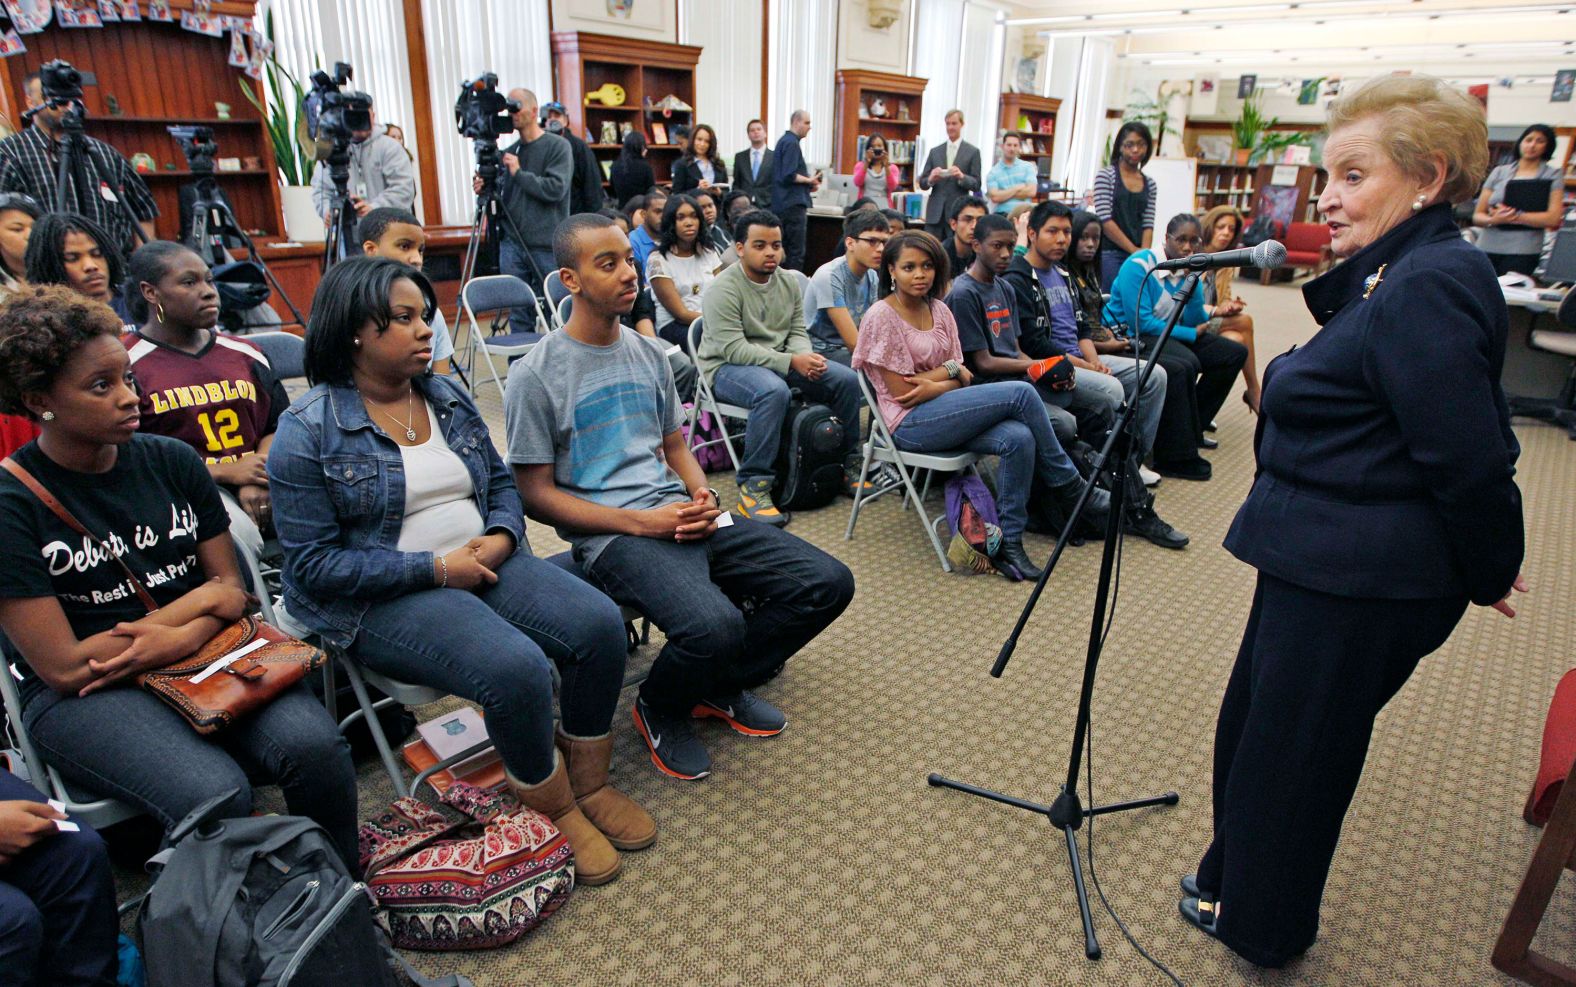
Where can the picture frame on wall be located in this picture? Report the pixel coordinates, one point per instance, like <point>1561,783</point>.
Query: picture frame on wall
<point>1564,83</point>
<point>1215,148</point>
<point>659,133</point>
<point>1246,85</point>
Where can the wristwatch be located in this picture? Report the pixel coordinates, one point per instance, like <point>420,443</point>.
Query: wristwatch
<point>954,369</point>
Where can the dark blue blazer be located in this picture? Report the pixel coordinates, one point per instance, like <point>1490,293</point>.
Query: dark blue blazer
<point>1386,463</point>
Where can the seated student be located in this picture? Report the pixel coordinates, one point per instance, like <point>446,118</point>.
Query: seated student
<point>966,211</point>
<point>754,348</point>
<point>397,235</point>
<point>215,393</point>
<point>985,308</point>
<point>1176,433</point>
<point>642,319</point>
<point>734,205</point>
<point>682,267</point>
<point>57,896</point>
<point>895,221</point>
<point>17,215</point>
<point>1048,325</point>
<point>65,248</point>
<point>845,287</point>
<point>597,450</point>
<point>1144,301</point>
<point>908,347</point>
<point>81,632</point>
<point>861,204</point>
<point>405,542</point>
<point>1222,229</point>
<point>648,228</point>
<point>711,208</point>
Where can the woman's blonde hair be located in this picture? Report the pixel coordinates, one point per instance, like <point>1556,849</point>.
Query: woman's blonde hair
<point>1423,117</point>
<point>1207,228</point>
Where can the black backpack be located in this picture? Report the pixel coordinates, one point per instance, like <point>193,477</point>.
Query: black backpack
<point>809,457</point>
<point>261,901</point>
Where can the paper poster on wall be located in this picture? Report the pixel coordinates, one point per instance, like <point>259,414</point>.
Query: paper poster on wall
<point>158,10</point>
<point>1284,175</point>
<point>1308,94</point>
<point>1246,84</point>
<point>1206,96</point>
<point>77,13</point>
<point>1564,82</point>
<point>11,43</point>
<point>30,16</point>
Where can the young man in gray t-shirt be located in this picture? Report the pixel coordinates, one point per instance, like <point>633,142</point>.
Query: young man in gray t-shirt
<point>594,435</point>
<point>843,289</point>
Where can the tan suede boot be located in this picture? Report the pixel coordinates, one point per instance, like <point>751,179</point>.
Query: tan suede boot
<point>596,862</point>
<point>625,824</point>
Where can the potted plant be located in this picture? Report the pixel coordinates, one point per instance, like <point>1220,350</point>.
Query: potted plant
<point>294,151</point>
<point>1248,129</point>
<point>1272,142</point>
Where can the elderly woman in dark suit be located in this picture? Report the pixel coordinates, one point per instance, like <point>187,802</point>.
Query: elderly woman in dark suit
<point>1385,503</point>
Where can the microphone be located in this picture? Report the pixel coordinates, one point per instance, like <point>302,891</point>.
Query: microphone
<point>1270,253</point>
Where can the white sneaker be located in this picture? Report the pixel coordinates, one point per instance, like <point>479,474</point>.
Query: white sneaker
<point>1149,476</point>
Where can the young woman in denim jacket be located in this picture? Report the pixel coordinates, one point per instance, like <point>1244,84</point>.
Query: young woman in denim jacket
<point>405,542</point>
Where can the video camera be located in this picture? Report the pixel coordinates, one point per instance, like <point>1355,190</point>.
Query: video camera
<point>334,116</point>
<point>482,114</point>
<point>198,145</point>
<point>61,81</point>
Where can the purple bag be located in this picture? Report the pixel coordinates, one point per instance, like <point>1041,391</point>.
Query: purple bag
<point>971,511</point>
<point>710,458</point>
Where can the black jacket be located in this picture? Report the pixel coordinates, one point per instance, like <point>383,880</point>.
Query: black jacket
<point>631,178</point>
<point>1034,310</point>
<point>1386,463</point>
<point>686,174</point>
<point>760,187</point>
<point>585,192</point>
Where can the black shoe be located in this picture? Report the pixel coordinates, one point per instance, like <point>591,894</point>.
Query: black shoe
<point>1197,468</point>
<point>745,712</point>
<point>1092,524</point>
<point>1199,914</point>
<point>1208,443</point>
<point>1190,887</point>
<point>675,749</point>
<point>1145,522</point>
<point>1014,562</point>
<point>1211,426</point>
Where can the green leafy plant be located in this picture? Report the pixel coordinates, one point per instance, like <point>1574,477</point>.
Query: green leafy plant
<point>1249,126</point>
<point>294,150</point>
<point>1153,112</point>
<point>1274,141</point>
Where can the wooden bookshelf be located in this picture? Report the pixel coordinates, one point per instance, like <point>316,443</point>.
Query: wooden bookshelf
<point>857,90</point>
<point>1033,119</point>
<point>1225,185</point>
<point>647,71</point>
<point>126,61</point>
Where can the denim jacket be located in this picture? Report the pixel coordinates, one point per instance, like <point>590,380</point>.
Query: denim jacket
<point>338,488</point>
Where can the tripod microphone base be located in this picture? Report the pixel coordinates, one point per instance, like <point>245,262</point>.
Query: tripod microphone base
<point>1067,814</point>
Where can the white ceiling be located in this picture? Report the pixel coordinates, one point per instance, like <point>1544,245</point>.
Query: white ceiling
<point>1489,37</point>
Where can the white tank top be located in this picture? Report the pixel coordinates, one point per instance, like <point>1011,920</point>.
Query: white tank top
<point>440,499</point>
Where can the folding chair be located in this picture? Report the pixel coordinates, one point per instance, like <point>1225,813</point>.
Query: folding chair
<point>497,294</point>
<point>706,401</point>
<point>880,447</point>
<point>553,287</point>
<point>566,305</point>
<point>96,812</point>
<point>286,352</point>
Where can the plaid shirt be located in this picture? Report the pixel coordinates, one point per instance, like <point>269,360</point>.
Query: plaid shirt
<point>28,164</point>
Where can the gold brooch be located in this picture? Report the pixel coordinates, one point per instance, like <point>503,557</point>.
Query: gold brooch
<point>1374,280</point>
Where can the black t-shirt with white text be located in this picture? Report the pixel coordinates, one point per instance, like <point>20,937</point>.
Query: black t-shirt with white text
<point>152,509</point>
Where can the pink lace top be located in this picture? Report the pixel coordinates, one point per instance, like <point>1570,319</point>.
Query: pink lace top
<point>887,342</point>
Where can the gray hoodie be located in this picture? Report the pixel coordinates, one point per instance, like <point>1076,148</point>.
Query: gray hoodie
<point>381,164</point>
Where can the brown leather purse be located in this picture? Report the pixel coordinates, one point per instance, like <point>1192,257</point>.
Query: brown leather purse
<point>239,670</point>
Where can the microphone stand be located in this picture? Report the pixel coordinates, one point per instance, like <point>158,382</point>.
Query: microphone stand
<point>1067,813</point>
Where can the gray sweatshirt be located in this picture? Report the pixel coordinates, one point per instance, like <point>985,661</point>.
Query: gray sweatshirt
<point>537,196</point>
<point>379,164</point>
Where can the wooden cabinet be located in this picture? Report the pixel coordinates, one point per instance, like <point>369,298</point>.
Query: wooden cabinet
<point>647,71</point>
<point>1033,119</point>
<point>142,77</point>
<point>870,103</point>
<point>1224,185</point>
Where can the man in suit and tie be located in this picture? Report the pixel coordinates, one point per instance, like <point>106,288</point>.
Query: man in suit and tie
<point>752,167</point>
<point>952,170</point>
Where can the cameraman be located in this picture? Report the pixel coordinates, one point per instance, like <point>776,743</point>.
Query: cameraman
<point>28,161</point>
<point>585,190</point>
<point>381,174</point>
<point>535,194</point>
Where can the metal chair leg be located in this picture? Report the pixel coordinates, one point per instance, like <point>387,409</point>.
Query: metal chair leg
<point>369,713</point>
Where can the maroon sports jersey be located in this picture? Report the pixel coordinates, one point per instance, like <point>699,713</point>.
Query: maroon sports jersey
<point>222,400</point>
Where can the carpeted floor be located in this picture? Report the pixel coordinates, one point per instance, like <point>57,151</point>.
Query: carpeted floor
<point>822,856</point>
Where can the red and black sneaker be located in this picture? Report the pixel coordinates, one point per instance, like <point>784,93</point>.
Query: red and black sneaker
<point>745,712</point>
<point>675,749</point>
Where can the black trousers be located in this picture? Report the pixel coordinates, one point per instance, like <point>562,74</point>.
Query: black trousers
<point>1515,263</point>
<point>1312,673</point>
<point>795,222</point>
<point>1176,438</point>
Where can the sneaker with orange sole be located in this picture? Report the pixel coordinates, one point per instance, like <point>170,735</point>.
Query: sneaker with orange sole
<point>675,749</point>
<point>755,502</point>
<point>745,712</point>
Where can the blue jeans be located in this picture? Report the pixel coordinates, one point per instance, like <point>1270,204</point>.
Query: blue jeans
<point>766,395</point>
<point>692,590</point>
<point>1150,401</point>
<point>493,647</point>
<point>127,744</point>
<point>57,907</point>
<point>512,260</point>
<point>1004,419</point>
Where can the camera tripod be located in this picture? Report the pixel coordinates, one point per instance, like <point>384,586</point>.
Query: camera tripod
<point>341,239</point>
<point>212,221</point>
<point>486,234</point>
<point>1067,812</point>
<point>78,165</point>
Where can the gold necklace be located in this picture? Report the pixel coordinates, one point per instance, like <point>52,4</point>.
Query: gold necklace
<point>410,408</point>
